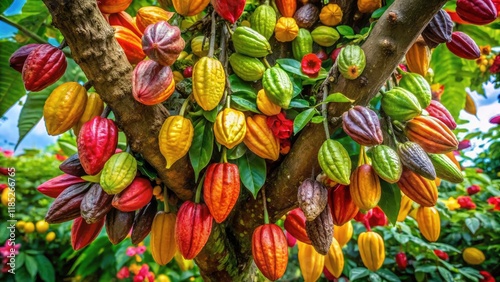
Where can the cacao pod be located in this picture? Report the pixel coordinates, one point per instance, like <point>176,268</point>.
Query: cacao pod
<point>302,44</point>
<point>118,225</point>
<point>312,197</point>
<point>199,48</point>
<point>400,104</point>
<point>192,228</point>
<point>209,82</point>
<point>162,241</point>
<point>118,172</point>
<point>365,187</point>
<point>265,105</point>
<point>343,233</point>
<point>93,108</point>
<point>477,12</point>
<point>43,66</point>
<point>418,86</point>
<point>334,260</point>
<point>320,231</point>
<point>311,263</point>
<point>95,204</point>
<point>17,59</point>
<point>162,43</point>
<point>184,264</point>
<point>295,224</point>
<point>249,42</point>
<point>463,46</point>
<point>152,83</point>
<point>229,10</point>
<point>470,105</point>
<point>439,29</point>
<point>430,133</point>
<point>351,61</point>
<point>245,67</point>
<point>175,138</point>
<point>278,86</point>
<point>331,15</point>
<point>341,205</point>
<point>306,16</point>
<point>415,159</point>
<point>72,166</point>
<point>260,139</point>
<point>334,160</point>
<point>270,250</point>
<point>150,15</point>
<point>124,19</point>
<point>418,57</point>
<point>67,205</point>
<point>437,110</point>
<point>362,125</point>
<point>143,222</point>
<point>135,196</point>
<point>55,186</point>
<point>113,6</point>
<point>286,29</point>
<point>325,36</point>
<point>263,20</point>
<point>446,169</point>
<point>421,190</point>
<point>368,6</point>
<point>404,207</point>
<point>286,8</point>
<point>130,43</point>
<point>230,127</point>
<point>473,256</point>
<point>372,250</point>
<point>429,223</point>
<point>189,7</point>
<point>386,163</point>
<point>82,233</point>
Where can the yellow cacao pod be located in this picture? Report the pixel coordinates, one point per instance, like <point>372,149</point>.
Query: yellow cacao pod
<point>260,139</point>
<point>473,256</point>
<point>177,76</point>
<point>365,187</point>
<point>404,208</point>
<point>209,82</point>
<point>64,107</point>
<point>286,29</point>
<point>368,6</point>
<point>93,108</point>
<point>331,15</point>
<point>184,264</point>
<point>189,7</point>
<point>311,262</point>
<point>470,105</point>
<point>151,15</point>
<point>175,138</point>
<point>265,105</point>
<point>418,57</point>
<point>162,241</point>
<point>371,249</point>
<point>230,127</point>
<point>334,260</point>
<point>198,48</point>
<point>429,223</point>
<point>343,233</point>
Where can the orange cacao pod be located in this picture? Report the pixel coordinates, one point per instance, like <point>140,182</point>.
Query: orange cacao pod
<point>265,105</point>
<point>295,224</point>
<point>152,83</point>
<point>418,188</point>
<point>192,228</point>
<point>113,6</point>
<point>286,8</point>
<point>286,29</point>
<point>270,250</point>
<point>404,207</point>
<point>371,249</point>
<point>260,139</point>
<point>343,233</point>
<point>162,241</point>
<point>334,260</point>
<point>130,43</point>
<point>429,223</point>
<point>93,108</point>
<point>368,6</point>
<point>311,262</point>
<point>431,134</point>
<point>83,234</point>
<point>418,57</point>
<point>189,7</point>
<point>124,19</point>
<point>341,204</point>
<point>151,15</point>
<point>365,187</point>
<point>221,189</point>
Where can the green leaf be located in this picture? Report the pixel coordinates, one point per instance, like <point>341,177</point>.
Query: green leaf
<point>345,30</point>
<point>337,97</point>
<point>22,275</point>
<point>238,85</point>
<point>358,272</point>
<point>244,104</point>
<point>473,224</point>
<point>388,275</point>
<point>299,103</point>
<point>5,4</point>
<point>45,269</point>
<point>292,66</point>
<point>252,172</point>
<point>236,152</point>
<point>31,265</point>
<point>67,146</point>
<point>302,119</point>
<point>201,149</point>
<point>445,274</point>
<point>212,115</point>
<point>11,82</point>
<point>317,119</point>
<point>390,200</point>
<point>374,277</point>
<point>137,4</point>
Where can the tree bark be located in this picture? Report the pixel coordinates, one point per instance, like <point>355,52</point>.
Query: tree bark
<point>227,255</point>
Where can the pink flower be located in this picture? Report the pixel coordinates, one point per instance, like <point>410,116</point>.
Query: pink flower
<point>474,189</point>
<point>495,201</point>
<point>8,153</point>
<point>464,144</point>
<point>311,65</point>
<point>140,250</point>
<point>123,273</point>
<point>280,126</point>
<point>495,119</point>
<point>466,202</point>
<point>5,250</point>
<point>144,274</point>
<point>442,255</point>
<point>131,251</point>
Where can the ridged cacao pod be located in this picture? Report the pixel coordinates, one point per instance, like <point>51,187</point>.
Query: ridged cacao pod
<point>334,160</point>
<point>278,86</point>
<point>363,126</point>
<point>221,189</point>
<point>386,163</point>
<point>295,224</point>
<point>245,67</point>
<point>96,143</point>
<point>67,205</point>
<point>286,8</point>
<point>446,169</point>
<point>143,222</point>
<point>130,43</point>
<point>152,83</point>
<point>302,44</point>
<point>429,223</point>
<point>368,6</point>
<point>372,250</point>
<point>249,42</point>
<point>230,127</point>
<point>135,196</point>
<point>118,225</point>
<point>44,65</point>
<point>263,20</point>
<point>437,110</point>
<point>199,48</point>
<point>150,15</point>
<point>351,61</point>
<point>113,6</point>
<point>439,29</point>
<point>209,82</point>
<point>325,36</point>
<point>415,159</point>
<point>334,260</point>
<point>82,233</point>
<point>463,46</point>
<point>400,104</point>
<point>430,133</point>
<point>265,105</point>
<point>95,204</point>
<point>307,15</point>
<point>311,263</point>
<point>421,190</point>
<point>473,256</point>
<point>341,205</point>
<point>286,29</point>
<point>270,250</point>
<point>418,57</point>
<point>418,86</point>
<point>55,186</point>
<point>365,187</point>
<point>17,59</point>
<point>64,107</point>
<point>124,19</point>
<point>72,166</point>
<point>175,138</point>
<point>162,43</point>
<point>162,241</point>
<point>118,172</point>
<point>312,197</point>
<point>343,233</point>
<point>331,15</point>
<point>320,231</point>
<point>192,228</point>
<point>470,105</point>
<point>189,7</point>
<point>93,108</point>
<point>404,207</point>
<point>260,139</point>
<point>478,12</point>
<point>229,10</point>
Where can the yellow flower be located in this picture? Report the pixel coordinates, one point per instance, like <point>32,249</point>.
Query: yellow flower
<point>451,203</point>
<point>134,268</point>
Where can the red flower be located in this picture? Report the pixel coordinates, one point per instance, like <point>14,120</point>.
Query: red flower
<point>495,119</point>
<point>123,273</point>
<point>8,153</point>
<point>280,125</point>
<point>495,68</point>
<point>377,218</point>
<point>311,65</point>
<point>61,158</point>
<point>478,170</point>
<point>401,260</point>
<point>495,201</point>
<point>474,189</point>
<point>4,171</point>
<point>464,144</point>
<point>335,54</point>
<point>144,274</point>
<point>361,217</point>
<point>285,146</point>
<point>487,277</point>
<point>466,202</point>
<point>442,255</point>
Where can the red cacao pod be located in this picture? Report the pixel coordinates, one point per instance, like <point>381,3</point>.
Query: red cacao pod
<point>53,187</point>
<point>192,228</point>
<point>478,12</point>
<point>43,66</point>
<point>96,143</point>
<point>72,166</point>
<point>95,204</point>
<point>221,189</point>
<point>463,46</point>
<point>124,19</point>
<point>286,8</point>
<point>438,30</point>
<point>437,110</point>
<point>270,250</point>
<point>341,204</point>
<point>67,205</point>
<point>312,197</point>
<point>113,6</point>
<point>143,222</point>
<point>83,233</point>
<point>363,126</point>
<point>295,224</point>
<point>118,225</point>
<point>130,43</point>
<point>152,83</point>
<point>162,43</point>
<point>418,188</point>
<point>230,10</point>
<point>17,59</point>
<point>430,133</point>
<point>135,196</point>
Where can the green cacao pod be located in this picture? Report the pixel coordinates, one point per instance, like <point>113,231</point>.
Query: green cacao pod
<point>278,86</point>
<point>246,68</point>
<point>416,84</point>
<point>400,104</point>
<point>334,160</point>
<point>118,172</point>
<point>326,36</point>
<point>302,44</point>
<point>249,42</point>
<point>446,169</point>
<point>263,20</point>
<point>386,163</point>
<point>351,61</point>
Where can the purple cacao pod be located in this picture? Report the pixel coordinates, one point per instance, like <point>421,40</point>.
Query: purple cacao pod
<point>363,126</point>
<point>152,83</point>
<point>306,16</point>
<point>438,30</point>
<point>312,197</point>
<point>18,58</point>
<point>118,225</point>
<point>67,205</point>
<point>478,12</point>
<point>43,66</point>
<point>437,110</point>
<point>162,43</point>
<point>95,204</point>
<point>463,46</point>
<point>320,231</point>
<point>416,159</point>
